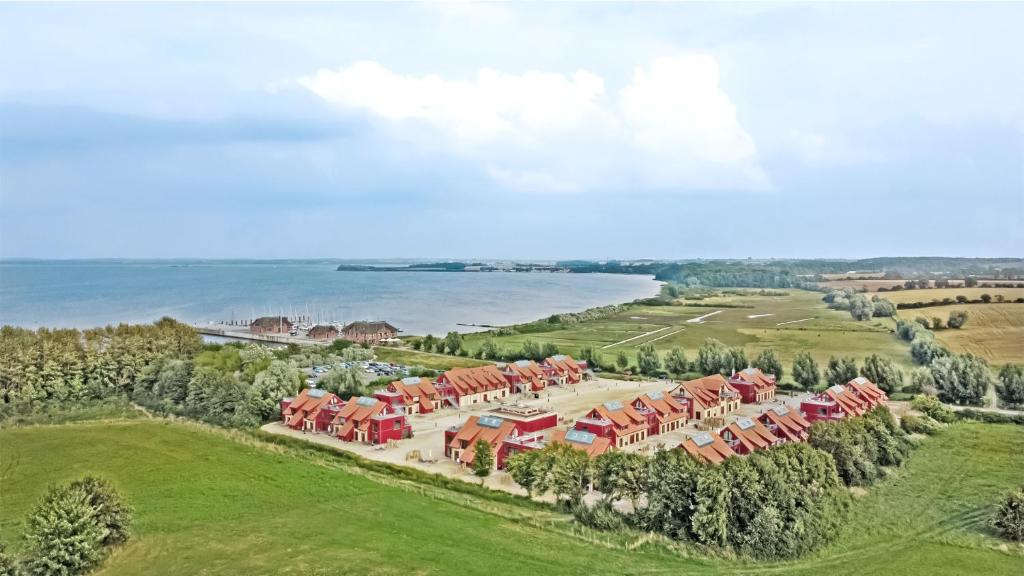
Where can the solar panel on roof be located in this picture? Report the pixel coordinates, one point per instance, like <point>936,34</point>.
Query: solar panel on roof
<point>580,437</point>
<point>317,393</point>
<point>745,423</point>
<point>410,380</point>
<point>702,439</point>
<point>781,410</point>
<point>860,380</point>
<point>366,401</point>
<point>522,363</point>
<point>838,389</point>
<point>489,421</point>
<point>655,395</point>
<point>613,405</point>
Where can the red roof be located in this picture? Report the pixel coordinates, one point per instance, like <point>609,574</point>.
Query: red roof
<point>563,364</point>
<point>474,380</point>
<point>750,433</point>
<point>708,391</point>
<point>707,446</point>
<point>528,372</point>
<point>412,389</point>
<point>473,430</point>
<point>357,413</point>
<point>308,404</point>
<point>789,424</point>
<point>846,400</point>
<point>667,407</point>
<point>592,444</point>
<point>624,418</point>
<point>753,376</point>
<point>867,391</point>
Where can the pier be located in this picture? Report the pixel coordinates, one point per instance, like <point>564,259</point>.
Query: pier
<point>243,333</point>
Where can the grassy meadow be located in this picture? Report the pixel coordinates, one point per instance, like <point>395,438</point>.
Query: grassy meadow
<point>993,331</point>
<point>790,323</point>
<point>210,502</point>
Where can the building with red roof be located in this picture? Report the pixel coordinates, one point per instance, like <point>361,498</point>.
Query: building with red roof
<point>516,442</point>
<point>322,332</point>
<point>788,425</point>
<point>369,420</point>
<point>526,418</point>
<point>753,385</point>
<point>589,442</point>
<point>707,446</point>
<point>413,395</point>
<point>747,435</point>
<point>621,423</point>
<point>562,369</point>
<point>835,403</point>
<point>709,397</point>
<point>663,412</point>
<point>311,411</point>
<point>525,376</point>
<point>460,441</point>
<point>462,387</point>
<point>867,391</point>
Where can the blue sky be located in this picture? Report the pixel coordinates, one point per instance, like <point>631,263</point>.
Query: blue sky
<point>511,131</point>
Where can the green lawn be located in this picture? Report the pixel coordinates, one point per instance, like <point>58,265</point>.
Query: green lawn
<point>208,503</point>
<point>797,321</point>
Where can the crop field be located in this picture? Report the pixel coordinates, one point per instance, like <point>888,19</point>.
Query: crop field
<point>210,502</point>
<point>790,323</point>
<point>873,285</point>
<point>1009,293</point>
<point>993,331</point>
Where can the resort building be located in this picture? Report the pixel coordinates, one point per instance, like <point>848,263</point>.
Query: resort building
<point>270,325</point>
<point>753,385</point>
<point>747,435</point>
<point>834,403</point>
<point>562,369</point>
<point>707,446</point>
<point>620,423</point>
<point>524,376</point>
<point>369,332</point>
<point>322,332</point>
<point>459,441</point>
<point>411,395</point>
<point>709,397</point>
<point>516,442</point>
<point>311,411</point>
<point>526,418</point>
<point>788,425</point>
<point>663,412</point>
<point>867,391</point>
<point>368,420</point>
<point>462,387</point>
<point>589,442</point>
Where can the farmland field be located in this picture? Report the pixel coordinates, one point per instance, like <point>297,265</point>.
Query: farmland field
<point>974,293</point>
<point>790,323</point>
<point>993,331</point>
<point>873,285</point>
<point>209,502</point>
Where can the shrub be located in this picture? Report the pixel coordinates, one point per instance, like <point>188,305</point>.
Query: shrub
<point>1011,384</point>
<point>931,407</point>
<point>1009,520</point>
<point>957,319</point>
<point>912,424</point>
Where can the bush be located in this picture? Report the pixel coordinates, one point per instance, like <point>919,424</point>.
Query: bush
<point>1009,520</point>
<point>931,407</point>
<point>912,424</point>
<point>1011,384</point>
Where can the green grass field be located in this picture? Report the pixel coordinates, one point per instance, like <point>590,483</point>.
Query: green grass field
<point>798,321</point>
<point>993,331</point>
<point>210,503</point>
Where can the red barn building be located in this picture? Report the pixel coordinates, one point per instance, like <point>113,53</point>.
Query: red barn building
<point>562,369</point>
<point>707,446</point>
<point>867,391</point>
<point>459,441</point>
<point>663,412</point>
<point>368,420</point>
<point>311,411</point>
<point>835,403</point>
<point>709,397</point>
<point>526,418</point>
<point>322,332</point>
<point>619,422</point>
<point>271,325</point>
<point>747,435</point>
<point>412,395</point>
<point>753,385</point>
<point>369,332</point>
<point>525,376</point>
<point>590,443</point>
<point>786,424</point>
<point>462,387</point>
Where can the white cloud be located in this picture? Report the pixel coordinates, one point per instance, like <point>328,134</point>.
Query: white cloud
<point>672,126</point>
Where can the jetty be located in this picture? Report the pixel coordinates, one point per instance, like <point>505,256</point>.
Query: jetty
<point>243,333</point>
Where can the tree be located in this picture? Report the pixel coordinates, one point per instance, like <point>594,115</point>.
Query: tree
<point>483,459</point>
<point>882,307</point>
<point>805,371</point>
<point>280,379</point>
<point>986,298</point>
<point>619,474</point>
<point>883,372</point>
<point>840,370</point>
<point>622,360</point>
<point>590,355</point>
<point>71,529</point>
<point>528,469</point>
<point>345,382</point>
<point>676,362</point>
<point>923,350</point>
<point>8,565</point>
<point>214,395</point>
<point>931,407</point>
<point>970,282</point>
<point>922,321</point>
<point>531,350</point>
<point>735,361</point>
<point>569,472</point>
<point>861,308</point>
<point>768,362</point>
<point>922,382</point>
<point>713,357</point>
<point>453,343</point>
<point>962,379</point>
<point>957,319</point>
<point>647,360</point>
<point>937,323</point>
<point>1011,384</point>
<point>548,350</point>
<point>1009,520</point>
<point>489,350</point>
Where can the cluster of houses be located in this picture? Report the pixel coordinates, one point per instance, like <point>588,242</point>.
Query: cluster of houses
<point>358,332</point>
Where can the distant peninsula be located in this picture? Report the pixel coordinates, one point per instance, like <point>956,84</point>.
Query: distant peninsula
<point>453,267</point>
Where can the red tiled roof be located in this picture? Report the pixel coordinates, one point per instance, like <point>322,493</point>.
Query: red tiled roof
<point>354,412</point>
<point>598,446</point>
<point>846,400</point>
<point>755,437</point>
<point>308,404</point>
<point>563,363</point>
<point>475,380</point>
<point>424,390</point>
<point>472,431</point>
<point>528,371</point>
<point>867,390</point>
<point>753,376</point>
<point>707,390</point>
<point>667,407</point>
<point>715,451</point>
<point>790,424</point>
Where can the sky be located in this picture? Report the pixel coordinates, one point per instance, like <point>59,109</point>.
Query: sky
<point>511,131</point>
